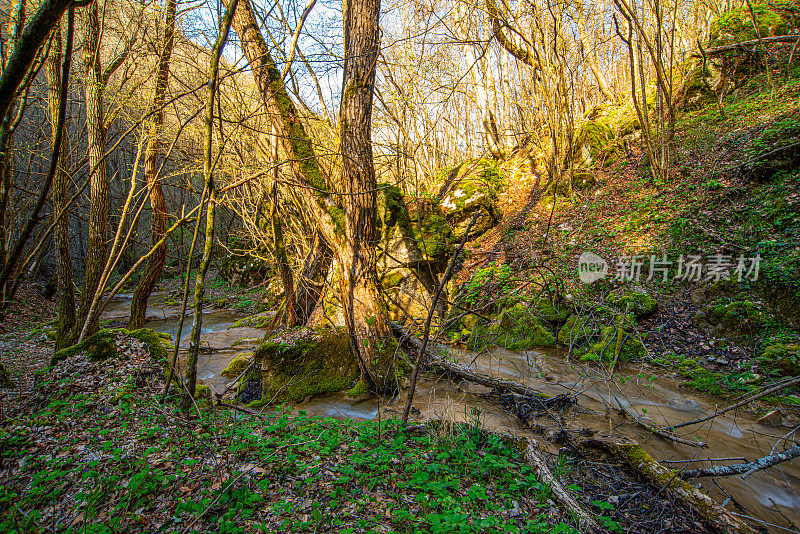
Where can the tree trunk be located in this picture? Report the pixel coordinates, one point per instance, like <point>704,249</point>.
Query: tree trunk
<point>97,246</point>
<point>281,258</point>
<point>365,313</point>
<point>311,280</point>
<point>158,217</point>
<point>299,150</point>
<point>199,286</point>
<point>65,293</point>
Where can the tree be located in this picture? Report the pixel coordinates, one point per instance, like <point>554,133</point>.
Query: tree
<point>97,246</point>
<point>365,313</point>
<point>158,218</point>
<point>208,174</point>
<point>65,292</point>
<point>299,151</point>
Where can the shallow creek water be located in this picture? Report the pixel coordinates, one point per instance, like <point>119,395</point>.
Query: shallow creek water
<point>772,496</point>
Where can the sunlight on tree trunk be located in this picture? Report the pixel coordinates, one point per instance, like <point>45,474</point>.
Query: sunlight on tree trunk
<point>158,217</point>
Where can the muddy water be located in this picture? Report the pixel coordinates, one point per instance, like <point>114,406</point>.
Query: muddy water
<point>772,496</point>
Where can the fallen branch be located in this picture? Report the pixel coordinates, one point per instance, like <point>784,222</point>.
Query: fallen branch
<point>773,389</point>
<point>663,434</point>
<point>745,468</point>
<point>431,358</point>
<point>718,518</point>
<point>560,495</point>
<point>744,44</point>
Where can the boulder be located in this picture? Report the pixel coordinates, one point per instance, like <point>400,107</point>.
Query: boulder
<point>636,302</point>
<point>780,359</point>
<point>320,362</point>
<point>734,319</point>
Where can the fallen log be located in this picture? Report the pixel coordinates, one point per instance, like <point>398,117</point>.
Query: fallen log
<point>559,494</point>
<point>744,44</point>
<point>431,358</point>
<point>744,468</point>
<point>781,385</point>
<point>657,431</point>
<point>716,517</point>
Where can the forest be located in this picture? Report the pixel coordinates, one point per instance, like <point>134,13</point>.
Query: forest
<point>426,266</point>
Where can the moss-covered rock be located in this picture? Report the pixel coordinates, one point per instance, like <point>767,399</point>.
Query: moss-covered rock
<point>104,344</point>
<point>616,344</point>
<point>583,181</point>
<point>640,304</point>
<point>734,319</point>
<point>238,365</point>
<point>592,139</point>
<point>259,320</point>
<point>244,270</point>
<point>5,378</point>
<point>577,330</point>
<point>517,328</point>
<point>737,25</point>
<point>552,311</point>
<point>321,364</point>
<point>780,359</point>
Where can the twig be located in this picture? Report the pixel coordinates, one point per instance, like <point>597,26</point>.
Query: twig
<point>746,468</point>
<point>764,393</point>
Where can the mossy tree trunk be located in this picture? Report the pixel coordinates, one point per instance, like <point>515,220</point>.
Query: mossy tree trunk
<point>97,245</point>
<point>65,331</point>
<point>158,217</point>
<point>199,286</point>
<point>365,313</point>
<point>299,151</point>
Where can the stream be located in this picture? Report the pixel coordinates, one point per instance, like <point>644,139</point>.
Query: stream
<point>772,495</point>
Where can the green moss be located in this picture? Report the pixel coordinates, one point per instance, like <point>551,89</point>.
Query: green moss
<point>577,330</point>
<point>737,25</point>
<point>640,304</point>
<point>780,359</point>
<point>516,328</point>
<point>359,389</point>
<point>392,279</point>
<point>735,319</point>
<point>550,312</point>
<point>159,342</point>
<point>238,365</point>
<point>262,320</point>
<point>616,344</point>
<point>102,345</point>
<point>290,373</point>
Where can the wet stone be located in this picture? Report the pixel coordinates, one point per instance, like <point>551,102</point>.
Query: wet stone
<point>684,405</point>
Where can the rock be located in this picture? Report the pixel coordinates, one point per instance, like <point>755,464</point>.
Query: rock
<point>636,302</point>
<point>780,359</point>
<point>684,405</point>
<point>722,361</point>
<point>772,418</point>
<point>734,319</point>
<point>515,328</point>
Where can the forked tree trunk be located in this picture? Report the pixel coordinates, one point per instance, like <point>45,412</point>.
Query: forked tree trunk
<point>365,313</point>
<point>299,151</point>
<point>97,247</point>
<point>158,217</point>
<point>65,294</point>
